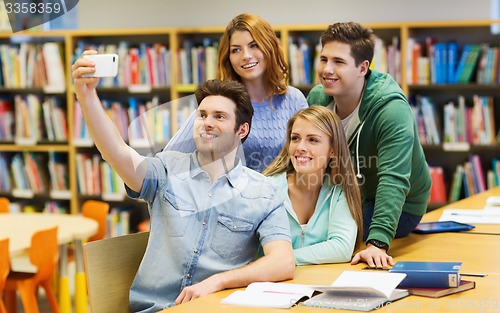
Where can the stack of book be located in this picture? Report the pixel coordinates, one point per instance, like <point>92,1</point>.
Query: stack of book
<point>432,279</point>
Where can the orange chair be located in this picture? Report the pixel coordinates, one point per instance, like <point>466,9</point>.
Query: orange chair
<point>44,254</point>
<point>4,205</point>
<point>4,269</point>
<point>98,211</point>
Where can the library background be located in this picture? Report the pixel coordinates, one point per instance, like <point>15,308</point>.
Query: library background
<point>448,69</point>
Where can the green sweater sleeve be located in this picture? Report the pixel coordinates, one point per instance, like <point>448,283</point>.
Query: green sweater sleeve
<point>392,132</point>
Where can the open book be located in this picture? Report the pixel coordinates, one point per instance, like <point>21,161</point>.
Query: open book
<point>269,295</point>
<point>362,291</point>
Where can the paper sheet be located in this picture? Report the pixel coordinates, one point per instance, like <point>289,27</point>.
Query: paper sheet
<point>471,216</point>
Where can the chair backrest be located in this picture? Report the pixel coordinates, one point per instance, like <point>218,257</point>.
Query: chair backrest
<point>4,269</point>
<point>44,253</point>
<point>110,266</point>
<point>98,211</point>
<point>4,262</point>
<point>4,205</point>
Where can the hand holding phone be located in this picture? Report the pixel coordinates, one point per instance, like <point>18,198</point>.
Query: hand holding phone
<point>106,65</point>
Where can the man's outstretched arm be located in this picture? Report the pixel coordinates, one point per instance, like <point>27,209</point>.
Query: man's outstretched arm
<point>128,164</point>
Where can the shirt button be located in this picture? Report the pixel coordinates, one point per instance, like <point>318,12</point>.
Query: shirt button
<point>234,227</point>
<point>204,223</point>
<point>209,194</point>
<point>188,275</point>
<point>195,250</point>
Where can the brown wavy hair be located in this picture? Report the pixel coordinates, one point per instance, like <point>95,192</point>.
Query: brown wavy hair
<point>339,171</point>
<point>276,74</point>
<point>359,38</point>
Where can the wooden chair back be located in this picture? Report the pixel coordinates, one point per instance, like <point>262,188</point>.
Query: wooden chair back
<point>98,211</point>
<point>110,266</point>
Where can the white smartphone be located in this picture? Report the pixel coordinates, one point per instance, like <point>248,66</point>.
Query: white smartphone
<point>106,65</point>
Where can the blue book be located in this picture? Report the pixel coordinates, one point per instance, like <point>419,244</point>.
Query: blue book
<point>428,274</point>
<point>452,55</point>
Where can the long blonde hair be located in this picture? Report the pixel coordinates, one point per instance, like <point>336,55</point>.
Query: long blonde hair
<point>340,170</point>
<point>276,75</point>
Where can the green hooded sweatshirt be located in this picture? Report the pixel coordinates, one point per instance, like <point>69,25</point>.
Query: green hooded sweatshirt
<point>387,154</point>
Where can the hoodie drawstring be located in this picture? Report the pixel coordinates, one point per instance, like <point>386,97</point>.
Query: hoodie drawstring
<point>358,175</point>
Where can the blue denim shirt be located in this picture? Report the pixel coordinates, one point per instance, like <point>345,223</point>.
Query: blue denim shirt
<point>198,228</point>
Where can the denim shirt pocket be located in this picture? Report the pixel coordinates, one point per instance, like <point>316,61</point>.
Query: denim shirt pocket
<point>231,235</point>
<point>177,219</point>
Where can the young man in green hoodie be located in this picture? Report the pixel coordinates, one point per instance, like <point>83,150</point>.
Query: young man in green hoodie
<point>388,158</point>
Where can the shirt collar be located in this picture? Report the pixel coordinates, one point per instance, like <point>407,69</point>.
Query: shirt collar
<point>233,176</point>
<point>194,166</point>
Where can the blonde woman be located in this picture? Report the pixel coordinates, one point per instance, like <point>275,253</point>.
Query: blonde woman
<point>315,175</point>
<point>250,53</point>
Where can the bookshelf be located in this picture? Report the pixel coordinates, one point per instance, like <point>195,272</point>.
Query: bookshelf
<point>462,89</point>
<point>33,120</point>
<point>157,77</point>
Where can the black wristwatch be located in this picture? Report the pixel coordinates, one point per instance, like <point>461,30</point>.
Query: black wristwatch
<point>379,244</point>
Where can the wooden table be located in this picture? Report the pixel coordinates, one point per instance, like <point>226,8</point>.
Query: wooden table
<point>20,227</point>
<point>478,252</point>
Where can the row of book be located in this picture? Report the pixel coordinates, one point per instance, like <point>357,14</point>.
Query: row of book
<point>435,62</point>
<point>123,219</point>
<point>468,179</point>
<point>18,120</point>
<point>118,222</point>
<point>197,61</point>
<point>304,59</point>
<point>20,206</point>
<point>30,173</point>
<point>140,64</point>
<point>32,65</point>
<point>472,179</point>
<point>475,125</point>
<point>142,123</point>
<point>95,177</point>
<point>463,123</point>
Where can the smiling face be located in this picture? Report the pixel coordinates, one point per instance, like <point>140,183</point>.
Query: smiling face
<point>214,127</point>
<point>246,57</point>
<point>337,69</point>
<point>309,148</point>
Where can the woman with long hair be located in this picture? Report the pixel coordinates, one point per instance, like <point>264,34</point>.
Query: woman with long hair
<point>250,52</point>
<point>315,174</point>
